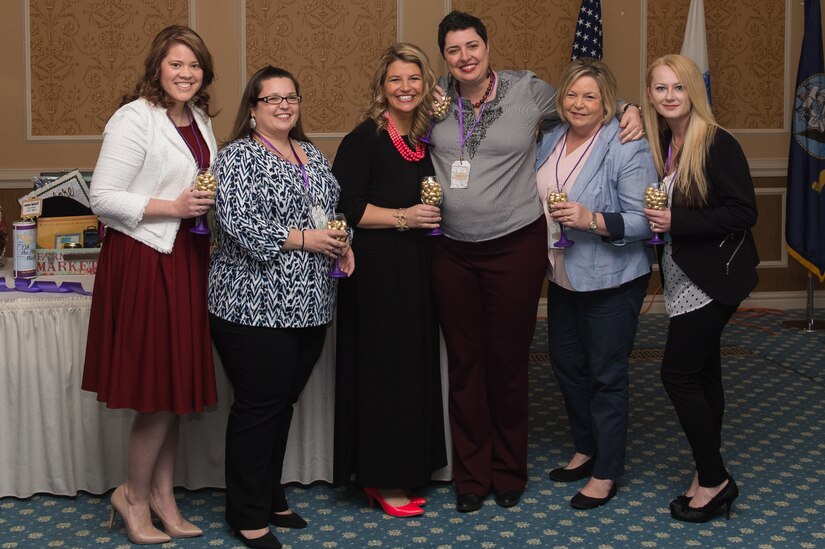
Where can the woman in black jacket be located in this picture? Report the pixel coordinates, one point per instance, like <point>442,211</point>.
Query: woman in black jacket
<point>708,263</point>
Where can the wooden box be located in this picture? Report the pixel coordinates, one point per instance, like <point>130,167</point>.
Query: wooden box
<point>54,232</point>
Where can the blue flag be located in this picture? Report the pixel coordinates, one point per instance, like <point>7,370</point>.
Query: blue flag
<point>695,43</point>
<point>805,214</point>
<point>588,39</point>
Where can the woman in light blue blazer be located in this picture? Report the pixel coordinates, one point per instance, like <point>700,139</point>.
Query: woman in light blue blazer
<point>598,284</point>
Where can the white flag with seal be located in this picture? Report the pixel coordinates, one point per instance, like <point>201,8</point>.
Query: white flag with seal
<point>695,44</point>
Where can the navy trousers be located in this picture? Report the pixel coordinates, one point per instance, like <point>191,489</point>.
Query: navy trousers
<point>591,335</point>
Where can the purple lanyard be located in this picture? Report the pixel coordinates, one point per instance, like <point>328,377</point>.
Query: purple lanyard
<point>199,156</point>
<point>559,186</point>
<point>462,139</point>
<point>667,167</point>
<point>295,154</point>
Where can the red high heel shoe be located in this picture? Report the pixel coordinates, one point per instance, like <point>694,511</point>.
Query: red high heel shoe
<point>417,500</point>
<point>408,510</point>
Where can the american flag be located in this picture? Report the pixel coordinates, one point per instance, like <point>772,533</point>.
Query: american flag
<point>588,39</point>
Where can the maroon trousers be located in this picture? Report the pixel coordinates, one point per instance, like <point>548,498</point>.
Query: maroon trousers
<point>487,296</point>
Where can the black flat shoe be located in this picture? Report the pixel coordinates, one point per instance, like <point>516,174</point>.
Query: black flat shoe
<point>580,501</point>
<point>724,498</point>
<point>569,475</point>
<point>292,520</point>
<point>508,498</point>
<point>467,503</point>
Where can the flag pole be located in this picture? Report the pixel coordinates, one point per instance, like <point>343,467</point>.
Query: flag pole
<point>809,324</point>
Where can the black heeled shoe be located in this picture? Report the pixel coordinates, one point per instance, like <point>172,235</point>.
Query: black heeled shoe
<point>290,520</point>
<point>569,475</point>
<point>678,501</point>
<point>724,498</point>
<point>267,541</point>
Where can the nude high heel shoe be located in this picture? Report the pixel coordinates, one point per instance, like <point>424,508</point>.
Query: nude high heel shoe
<point>141,534</point>
<point>184,529</point>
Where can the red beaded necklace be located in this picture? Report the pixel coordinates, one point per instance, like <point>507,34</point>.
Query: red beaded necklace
<point>403,149</point>
<point>486,92</point>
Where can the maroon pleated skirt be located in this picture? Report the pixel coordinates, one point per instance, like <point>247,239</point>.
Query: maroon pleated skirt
<point>149,346</point>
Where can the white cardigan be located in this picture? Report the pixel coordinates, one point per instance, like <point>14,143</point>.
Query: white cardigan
<point>143,156</point>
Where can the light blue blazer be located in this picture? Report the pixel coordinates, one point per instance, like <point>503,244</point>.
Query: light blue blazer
<point>612,182</point>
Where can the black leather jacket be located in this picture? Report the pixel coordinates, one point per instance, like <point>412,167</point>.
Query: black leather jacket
<point>713,244</point>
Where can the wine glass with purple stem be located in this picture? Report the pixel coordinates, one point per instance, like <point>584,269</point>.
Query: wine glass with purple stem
<point>338,221</point>
<point>555,198</point>
<point>204,181</point>
<point>656,199</point>
<point>432,195</point>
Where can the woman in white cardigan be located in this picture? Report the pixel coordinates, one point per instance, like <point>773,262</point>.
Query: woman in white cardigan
<point>149,347</point>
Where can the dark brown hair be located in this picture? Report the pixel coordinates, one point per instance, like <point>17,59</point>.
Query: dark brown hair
<point>241,128</point>
<point>456,21</point>
<point>149,87</point>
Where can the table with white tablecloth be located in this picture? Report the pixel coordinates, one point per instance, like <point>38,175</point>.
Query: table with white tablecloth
<point>58,439</point>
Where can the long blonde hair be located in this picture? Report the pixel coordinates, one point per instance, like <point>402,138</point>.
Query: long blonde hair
<point>691,179</point>
<point>408,53</point>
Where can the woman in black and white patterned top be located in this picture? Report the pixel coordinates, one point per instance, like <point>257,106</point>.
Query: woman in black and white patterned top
<point>270,297</point>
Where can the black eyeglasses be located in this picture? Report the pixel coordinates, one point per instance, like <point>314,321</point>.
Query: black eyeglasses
<point>277,99</point>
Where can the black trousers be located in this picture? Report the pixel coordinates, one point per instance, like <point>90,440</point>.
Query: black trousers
<point>692,376</point>
<point>268,368</point>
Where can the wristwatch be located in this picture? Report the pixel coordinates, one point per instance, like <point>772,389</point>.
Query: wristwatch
<point>593,224</point>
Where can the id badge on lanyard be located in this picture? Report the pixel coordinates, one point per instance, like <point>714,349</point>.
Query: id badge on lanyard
<point>460,170</point>
<point>319,217</point>
<point>460,174</point>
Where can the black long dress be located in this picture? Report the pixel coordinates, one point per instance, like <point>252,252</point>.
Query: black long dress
<point>389,428</point>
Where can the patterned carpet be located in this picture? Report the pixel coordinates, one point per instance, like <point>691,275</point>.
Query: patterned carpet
<point>774,446</point>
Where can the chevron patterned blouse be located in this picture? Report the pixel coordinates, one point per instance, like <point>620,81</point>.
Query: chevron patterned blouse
<point>252,280</point>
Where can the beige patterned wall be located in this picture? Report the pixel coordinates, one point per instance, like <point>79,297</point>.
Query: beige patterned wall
<point>332,48</point>
<point>531,34</point>
<point>84,55</point>
<point>746,50</point>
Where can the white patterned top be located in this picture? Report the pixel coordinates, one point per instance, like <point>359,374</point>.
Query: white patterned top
<point>252,279</point>
<point>682,295</point>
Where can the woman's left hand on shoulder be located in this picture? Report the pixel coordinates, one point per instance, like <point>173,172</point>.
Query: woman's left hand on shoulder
<point>631,124</point>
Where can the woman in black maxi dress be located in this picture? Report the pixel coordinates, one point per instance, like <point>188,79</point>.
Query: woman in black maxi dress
<point>389,420</point>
